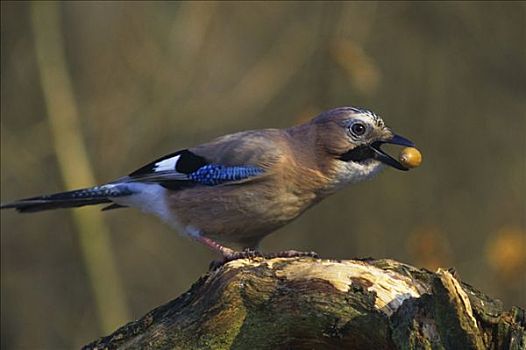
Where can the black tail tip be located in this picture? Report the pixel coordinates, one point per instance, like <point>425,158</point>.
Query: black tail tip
<point>29,206</point>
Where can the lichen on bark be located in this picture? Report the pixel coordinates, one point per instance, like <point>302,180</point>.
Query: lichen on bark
<point>307,303</point>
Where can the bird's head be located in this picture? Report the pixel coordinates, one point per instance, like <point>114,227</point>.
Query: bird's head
<point>353,137</point>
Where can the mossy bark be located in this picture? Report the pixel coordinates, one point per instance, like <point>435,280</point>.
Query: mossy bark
<point>307,303</point>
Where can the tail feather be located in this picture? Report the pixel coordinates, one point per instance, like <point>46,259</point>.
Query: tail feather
<point>70,199</point>
<point>113,206</point>
<point>36,204</point>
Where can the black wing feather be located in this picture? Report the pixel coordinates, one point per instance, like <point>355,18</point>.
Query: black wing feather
<point>188,163</point>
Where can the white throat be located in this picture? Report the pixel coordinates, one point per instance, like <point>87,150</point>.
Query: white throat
<point>353,172</point>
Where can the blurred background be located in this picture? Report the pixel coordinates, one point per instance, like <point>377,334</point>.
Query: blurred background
<point>90,91</point>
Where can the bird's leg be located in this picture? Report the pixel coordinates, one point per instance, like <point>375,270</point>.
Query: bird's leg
<point>227,253</point>
<point>213,245</point>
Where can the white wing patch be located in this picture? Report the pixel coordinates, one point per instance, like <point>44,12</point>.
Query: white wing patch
<point>166,164</point>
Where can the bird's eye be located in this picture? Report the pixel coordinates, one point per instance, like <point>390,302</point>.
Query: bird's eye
<point>358,129</point>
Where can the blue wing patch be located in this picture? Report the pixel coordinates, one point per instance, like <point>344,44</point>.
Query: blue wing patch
<point>184,169</point>
<point>215,174</point>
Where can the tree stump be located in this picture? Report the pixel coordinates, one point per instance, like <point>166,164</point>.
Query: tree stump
<point>308,303</point>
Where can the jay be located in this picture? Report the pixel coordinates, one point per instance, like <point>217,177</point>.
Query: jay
<point>241,187</point>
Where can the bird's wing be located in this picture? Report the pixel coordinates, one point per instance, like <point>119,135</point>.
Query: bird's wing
<point>229,159</point>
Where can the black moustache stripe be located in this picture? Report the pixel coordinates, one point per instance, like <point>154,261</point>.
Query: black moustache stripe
<point>358,154</point>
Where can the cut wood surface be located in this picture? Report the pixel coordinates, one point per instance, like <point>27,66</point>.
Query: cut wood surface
<point>308,303</point>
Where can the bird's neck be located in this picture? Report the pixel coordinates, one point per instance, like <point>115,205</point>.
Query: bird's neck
<point>318,166</point>
<point>313,167</point>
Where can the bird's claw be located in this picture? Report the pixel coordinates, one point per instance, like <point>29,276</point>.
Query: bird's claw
<point>291,254</point>
<point>251,253</point>
<point>234,255</point>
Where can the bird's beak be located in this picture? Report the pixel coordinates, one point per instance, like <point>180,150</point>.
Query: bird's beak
<point>385,158</point>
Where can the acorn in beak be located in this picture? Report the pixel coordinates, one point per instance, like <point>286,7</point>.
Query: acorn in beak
<point>374,151</point>
<point>385,158</point>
